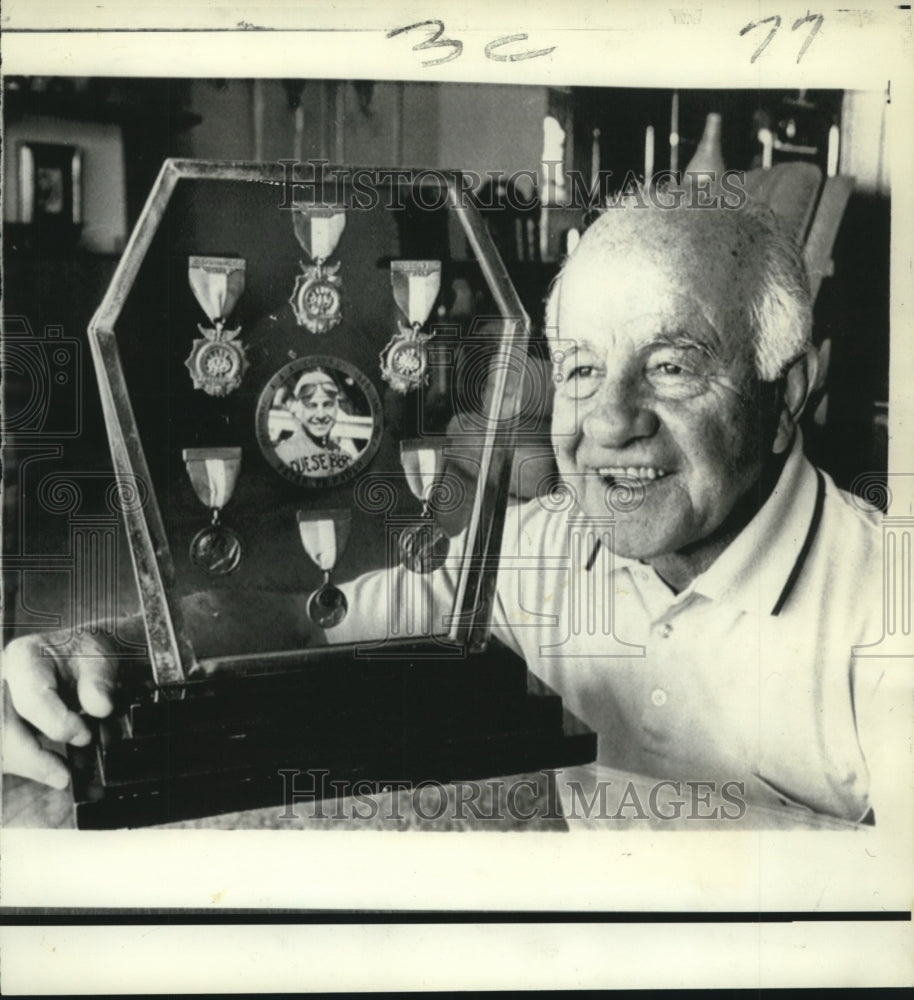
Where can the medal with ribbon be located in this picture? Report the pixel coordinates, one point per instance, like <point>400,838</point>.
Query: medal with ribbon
<point>217,362</point>
<point>423,546</point>
<point>213,474</point>
<point>404,361</point>
<point>324,534</point>
<point>316,298</point>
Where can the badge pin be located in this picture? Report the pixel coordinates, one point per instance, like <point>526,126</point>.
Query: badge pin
<point>404,361</point>
<point>317,296</point>
<point>324,535</point>
<point>213,474</point>
<point>423,547</point>
<point>217,361</point>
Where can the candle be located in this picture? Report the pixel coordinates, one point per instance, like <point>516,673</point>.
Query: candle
<point>648,154</point>
<point>834,136</point>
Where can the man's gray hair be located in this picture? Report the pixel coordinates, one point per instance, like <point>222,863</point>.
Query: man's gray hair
<point>779,309</point>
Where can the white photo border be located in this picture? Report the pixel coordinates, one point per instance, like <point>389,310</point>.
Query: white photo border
<point>213,871</point>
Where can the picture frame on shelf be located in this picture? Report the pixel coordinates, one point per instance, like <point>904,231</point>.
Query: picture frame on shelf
<point>50,186</point>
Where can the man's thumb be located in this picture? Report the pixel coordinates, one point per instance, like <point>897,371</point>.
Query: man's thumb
<point>96,684</point>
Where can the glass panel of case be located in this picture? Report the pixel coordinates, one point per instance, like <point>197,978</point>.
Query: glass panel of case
<point>311,388</point>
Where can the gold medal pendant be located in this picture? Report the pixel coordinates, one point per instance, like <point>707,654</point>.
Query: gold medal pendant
<point>404,361</point>
<point>218,361</point>
<point>213,474</point>
<point>324,535</point>
<point>317,296</point>
<point>423,547</point>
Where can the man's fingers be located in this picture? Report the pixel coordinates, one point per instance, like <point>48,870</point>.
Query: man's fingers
<point>32,679</point>
<point>36,678</point>
<point>25,756</point>
<point>95,685</point>
<point>43,708</point>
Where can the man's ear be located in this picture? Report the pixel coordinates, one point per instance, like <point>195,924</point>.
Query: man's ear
<point>796,384</point>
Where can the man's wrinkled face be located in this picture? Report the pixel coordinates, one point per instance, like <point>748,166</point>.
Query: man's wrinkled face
<point>656,387</point>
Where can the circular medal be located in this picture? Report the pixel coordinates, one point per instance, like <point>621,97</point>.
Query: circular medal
<point>424,547</point>
<point>218,361</point>
<point>404,361</point>
<point>217,366</point>
<point>216,550</point>
<point>316,300</point>
<point>408,360</point>
<point>327,606</point>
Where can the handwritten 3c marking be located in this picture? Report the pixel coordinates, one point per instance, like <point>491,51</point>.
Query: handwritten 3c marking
<point>436,39</point>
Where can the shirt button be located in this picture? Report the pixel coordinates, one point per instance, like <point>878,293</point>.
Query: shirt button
<point>658,697</point>
<point>666,630</point>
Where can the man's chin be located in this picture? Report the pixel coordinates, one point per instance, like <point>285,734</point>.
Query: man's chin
<point>642,542</point>
<point>643,551</point>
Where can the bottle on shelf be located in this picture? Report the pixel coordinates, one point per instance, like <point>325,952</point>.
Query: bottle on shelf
<point>708,159</point>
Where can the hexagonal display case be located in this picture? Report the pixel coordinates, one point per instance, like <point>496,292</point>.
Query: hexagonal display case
<point>312,382</point>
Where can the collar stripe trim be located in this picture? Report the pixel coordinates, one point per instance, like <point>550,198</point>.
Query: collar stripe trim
<point>807,545</point>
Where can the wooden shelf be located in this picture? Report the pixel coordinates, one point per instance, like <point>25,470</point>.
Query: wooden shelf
<point>86,108</point>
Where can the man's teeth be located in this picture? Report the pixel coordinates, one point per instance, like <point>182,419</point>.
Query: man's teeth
<point>631,472</point>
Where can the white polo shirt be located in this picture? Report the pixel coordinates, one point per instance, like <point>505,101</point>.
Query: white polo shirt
<point>747,675</point>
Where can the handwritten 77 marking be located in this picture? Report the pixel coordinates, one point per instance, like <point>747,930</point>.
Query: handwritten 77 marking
<point>437,39</point>
<point>816,20</point>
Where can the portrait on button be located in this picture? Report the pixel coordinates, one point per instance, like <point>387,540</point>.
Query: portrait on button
<point>319,421</point>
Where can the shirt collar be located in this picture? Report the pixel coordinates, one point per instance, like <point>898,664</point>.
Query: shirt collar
<point>757,571</point>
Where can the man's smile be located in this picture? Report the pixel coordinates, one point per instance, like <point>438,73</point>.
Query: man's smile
<point>642,472</point>
<point>620,473</point>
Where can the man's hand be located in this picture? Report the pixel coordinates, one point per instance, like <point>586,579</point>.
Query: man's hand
<point>44,688</point>
<point>49,679</point>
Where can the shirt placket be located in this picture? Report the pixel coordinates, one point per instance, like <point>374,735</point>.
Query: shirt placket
<point>661,691</point>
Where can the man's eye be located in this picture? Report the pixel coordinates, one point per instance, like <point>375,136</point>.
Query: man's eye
<point>582,380</point>
<point>675,380</point>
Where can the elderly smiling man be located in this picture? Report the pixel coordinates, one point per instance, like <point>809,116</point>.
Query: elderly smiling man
<point>738,578</point>
<point>709,634</point>
<point>740,574</point>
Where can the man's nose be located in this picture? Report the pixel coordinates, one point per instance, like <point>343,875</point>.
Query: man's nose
<point>620,413</point>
